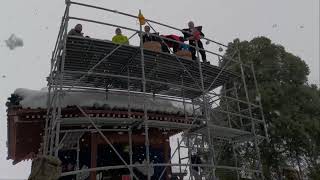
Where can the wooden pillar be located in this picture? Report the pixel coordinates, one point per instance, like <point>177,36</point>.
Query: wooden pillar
<point>94,148</point>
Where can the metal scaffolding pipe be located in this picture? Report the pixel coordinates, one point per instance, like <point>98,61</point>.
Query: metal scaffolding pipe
<point>136,17</point>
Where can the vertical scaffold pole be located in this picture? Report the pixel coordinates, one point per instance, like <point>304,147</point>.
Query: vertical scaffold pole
<point>184,101</point>
<point>232,144</point>
<point>250,113</point>
<point>206,113</point>
<point>46,137</point>
<point>189,157</point>
<point>130,128</point>
<point>46,127</point>
<point>146,127</point>
<point>52,119</point>
<point>130,152</point>
<point>260,104</point>
<point>78,154</point>
<point>58,119</point>
<point>179,156</point>
<point>238,104</point>
<point>129,93</point>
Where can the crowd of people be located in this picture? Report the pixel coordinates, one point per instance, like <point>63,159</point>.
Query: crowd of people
<point>192,34</point>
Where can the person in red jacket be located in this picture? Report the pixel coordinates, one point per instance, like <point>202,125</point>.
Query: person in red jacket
<point>194,34</point>
<point>174,45</point>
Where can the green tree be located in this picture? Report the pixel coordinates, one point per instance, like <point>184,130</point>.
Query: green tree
<point>291,106</point>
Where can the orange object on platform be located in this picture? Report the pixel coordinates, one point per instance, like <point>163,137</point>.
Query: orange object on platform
<point>152,46</point>
<point>184,54</point>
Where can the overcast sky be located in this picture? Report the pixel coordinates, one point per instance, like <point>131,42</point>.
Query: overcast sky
<point>292,23</point>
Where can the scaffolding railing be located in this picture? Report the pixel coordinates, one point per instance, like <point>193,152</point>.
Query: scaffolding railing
<point>217,116</point>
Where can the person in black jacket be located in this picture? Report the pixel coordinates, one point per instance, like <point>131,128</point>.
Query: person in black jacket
<point>146,36</point>
<point>194,34</point>
<point>76,31</point>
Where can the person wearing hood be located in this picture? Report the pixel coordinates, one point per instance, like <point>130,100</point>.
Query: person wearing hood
<point>119,38</point>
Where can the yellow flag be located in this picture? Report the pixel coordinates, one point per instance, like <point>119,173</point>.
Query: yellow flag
<point>141,18</point>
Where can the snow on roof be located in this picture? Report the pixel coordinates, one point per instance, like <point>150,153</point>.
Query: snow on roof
<point>38,99</point>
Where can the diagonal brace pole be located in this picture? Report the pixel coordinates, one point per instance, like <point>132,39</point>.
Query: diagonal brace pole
<point>102,60</point>
<point>176,149</point>
<point>107,140</point>
<point>222,70</point>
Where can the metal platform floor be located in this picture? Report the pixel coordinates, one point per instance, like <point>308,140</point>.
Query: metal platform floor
<point>219,132</point>
<point>165,74</point>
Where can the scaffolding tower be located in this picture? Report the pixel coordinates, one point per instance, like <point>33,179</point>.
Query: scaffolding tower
<point>221,124</point>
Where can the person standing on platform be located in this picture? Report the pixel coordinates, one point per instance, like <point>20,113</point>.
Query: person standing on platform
<point>146,37</point>
<point>151,41</point>
<point>119,38</point>
<point>76,31</point>
<point>194,34</point>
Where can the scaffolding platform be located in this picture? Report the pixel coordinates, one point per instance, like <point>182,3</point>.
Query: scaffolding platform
<point>165,73</point>
<point>95,65</point>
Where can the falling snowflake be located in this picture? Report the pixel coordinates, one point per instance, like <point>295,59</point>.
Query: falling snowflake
<point>14,42</point>
<point>258,98</point>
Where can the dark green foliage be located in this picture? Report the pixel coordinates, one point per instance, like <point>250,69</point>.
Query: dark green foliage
<point>291,106</point>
